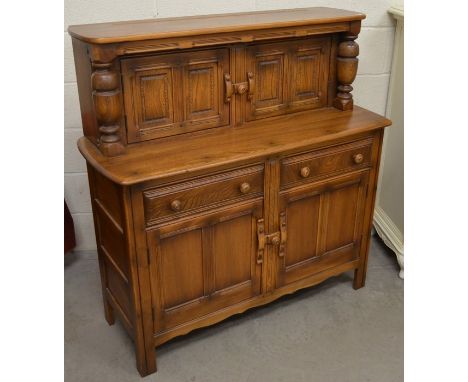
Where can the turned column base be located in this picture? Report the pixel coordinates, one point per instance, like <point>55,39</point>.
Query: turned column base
<point>343,104</point>
<point>112,149</point>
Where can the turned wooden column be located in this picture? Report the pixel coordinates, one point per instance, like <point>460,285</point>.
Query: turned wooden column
<point>106,96</point>
<point>346,70</point>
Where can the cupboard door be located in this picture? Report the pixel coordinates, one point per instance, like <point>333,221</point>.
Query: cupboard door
<point>203,90</point>
<point>268,63</point>
<point>174,93</point>
<point>323,223</point>
<point>288,76</point>
<point>308,70</point>
<point>204,264</point>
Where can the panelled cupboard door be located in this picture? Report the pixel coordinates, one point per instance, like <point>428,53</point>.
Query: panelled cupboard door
<point>288,76</point>
<point>323,224</point>
<point>203,264</point>
<point>174,93</point>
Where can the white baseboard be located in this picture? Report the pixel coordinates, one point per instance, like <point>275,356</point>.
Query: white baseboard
<point>390,234</point>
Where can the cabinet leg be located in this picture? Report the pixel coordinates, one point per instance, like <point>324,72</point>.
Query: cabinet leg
<point>146,361</point>
<point>108,312</point>
<point>359,278</point>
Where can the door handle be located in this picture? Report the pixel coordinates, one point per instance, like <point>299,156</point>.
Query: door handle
<point>261,240</point>
<point>250,80</point>
<point>229,87</point>
<point>283,234</point>
<point>239,87</point>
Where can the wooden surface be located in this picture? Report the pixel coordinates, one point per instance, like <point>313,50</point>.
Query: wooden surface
<point>184,155</point>
<point>226,176</point>
<point>116,32</point>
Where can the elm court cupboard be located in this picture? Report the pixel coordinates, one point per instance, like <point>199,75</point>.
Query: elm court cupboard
<point>227,164</point>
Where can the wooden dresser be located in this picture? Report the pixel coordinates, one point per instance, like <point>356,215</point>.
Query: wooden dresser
<point>227,164</point>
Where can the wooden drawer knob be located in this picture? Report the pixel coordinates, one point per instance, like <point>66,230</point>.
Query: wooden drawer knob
<point>176,205</point>
<point>305,172</point>
<point>244,187</point>
<point>358,158</point>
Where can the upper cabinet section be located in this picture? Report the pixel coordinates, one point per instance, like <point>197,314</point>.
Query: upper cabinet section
<point>150,79</point>
<point>174,93</point>
<point>288,76</point>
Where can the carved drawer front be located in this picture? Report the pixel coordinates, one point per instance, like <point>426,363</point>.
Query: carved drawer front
<point>180,199</point>
<point>287,77</point>
<point>310,166</point>
<point>174,93</point>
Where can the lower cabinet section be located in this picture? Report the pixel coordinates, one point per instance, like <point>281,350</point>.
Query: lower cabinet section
<point>204,264</point>
<point>189,251</point>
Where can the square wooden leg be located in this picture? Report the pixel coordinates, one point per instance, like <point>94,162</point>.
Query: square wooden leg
<point>359,278</point>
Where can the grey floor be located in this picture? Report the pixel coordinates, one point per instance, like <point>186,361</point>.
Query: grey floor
<point>329,332</point>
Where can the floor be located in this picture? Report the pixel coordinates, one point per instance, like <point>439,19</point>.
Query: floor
<point>326,333</point>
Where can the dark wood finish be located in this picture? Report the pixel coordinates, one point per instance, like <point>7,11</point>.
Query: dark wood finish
<point>227,164</point>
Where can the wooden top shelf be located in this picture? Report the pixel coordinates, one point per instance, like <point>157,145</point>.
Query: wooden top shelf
<point>257,140</point>
<point>105,33</point>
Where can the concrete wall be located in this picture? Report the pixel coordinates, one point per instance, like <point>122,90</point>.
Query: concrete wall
<point>371,85</point>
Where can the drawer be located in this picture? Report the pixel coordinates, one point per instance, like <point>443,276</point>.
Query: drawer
<point>327,162</point>
<point>180,199</point>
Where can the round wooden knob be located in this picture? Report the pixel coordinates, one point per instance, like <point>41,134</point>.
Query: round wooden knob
<point>241,88</point>
<point>244,187</point>
<point>275,240</point>
<point>358,158</point>
<point>176,205</point>
<point>305,172</point>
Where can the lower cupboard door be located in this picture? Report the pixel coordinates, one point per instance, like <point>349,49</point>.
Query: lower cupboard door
<point>323,226</point>
<point>203,264</point>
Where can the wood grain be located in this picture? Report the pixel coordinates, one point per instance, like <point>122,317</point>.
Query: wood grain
<point>227,164</point>
<point>116,32</point>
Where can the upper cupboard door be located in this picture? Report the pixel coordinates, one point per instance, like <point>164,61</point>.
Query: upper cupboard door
<point>288,76</point>
<point>268,63</point>
<point>174,93</point>
<point>308,74</point>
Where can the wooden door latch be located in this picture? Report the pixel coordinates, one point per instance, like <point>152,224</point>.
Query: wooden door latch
<point>275,238</point>
<point>239,87</point>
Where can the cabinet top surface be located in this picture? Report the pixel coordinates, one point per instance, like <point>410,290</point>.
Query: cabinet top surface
<point>115,32</point>
<point>181,154</point>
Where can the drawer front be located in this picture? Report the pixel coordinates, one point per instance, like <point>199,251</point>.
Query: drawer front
<point>327,162</point>
<point>180,199</point>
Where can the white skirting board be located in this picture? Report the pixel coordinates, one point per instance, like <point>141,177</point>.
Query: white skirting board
<point>390,235</point>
